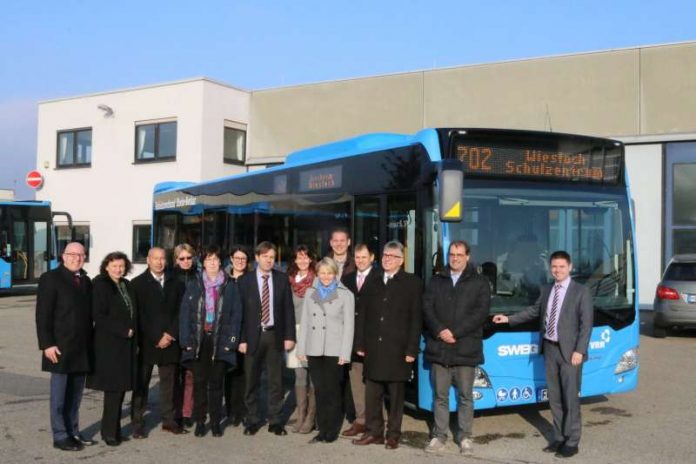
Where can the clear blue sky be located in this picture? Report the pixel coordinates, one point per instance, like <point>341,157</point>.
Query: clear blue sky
<point>50,49</point>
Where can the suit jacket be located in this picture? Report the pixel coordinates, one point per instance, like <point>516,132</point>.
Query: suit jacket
<point>390,327</point>
<point>327,326</point>
<point>64,319</point>
<point>370,286</point>
<point>283,310</point>
<point>157,313</point>
<point>574,322</point>
<point>115,354</point>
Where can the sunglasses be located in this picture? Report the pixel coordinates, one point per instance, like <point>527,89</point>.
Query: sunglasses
<point>185,258</point>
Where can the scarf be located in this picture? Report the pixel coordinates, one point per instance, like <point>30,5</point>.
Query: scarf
<point>212,295</point>
<point>325,291</point>
<point>300,288</point>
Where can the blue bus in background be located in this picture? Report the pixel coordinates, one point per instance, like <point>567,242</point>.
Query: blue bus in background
<point>28,243</point>
<point>514,196</point>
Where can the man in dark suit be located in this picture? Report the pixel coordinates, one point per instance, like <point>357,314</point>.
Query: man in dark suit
<point>158,324</point>
<point>362,282</point>
<point>64,330</point>
<point>565,325</point>
<point>268,329</point>
<point>389,330</point>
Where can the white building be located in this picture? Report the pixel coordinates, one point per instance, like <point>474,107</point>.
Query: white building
<point>101,154</point>
<point>128,140</point>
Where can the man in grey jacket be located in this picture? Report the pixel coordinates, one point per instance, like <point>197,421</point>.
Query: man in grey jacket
<point>565,312</point>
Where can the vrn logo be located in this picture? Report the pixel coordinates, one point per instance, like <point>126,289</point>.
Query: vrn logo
<point>605,338</point>
<point>523,349</point>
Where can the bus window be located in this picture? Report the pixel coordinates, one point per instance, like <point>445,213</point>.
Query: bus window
<point>401,226</point>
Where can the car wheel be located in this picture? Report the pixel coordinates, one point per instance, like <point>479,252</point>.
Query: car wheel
<point>659,332</point>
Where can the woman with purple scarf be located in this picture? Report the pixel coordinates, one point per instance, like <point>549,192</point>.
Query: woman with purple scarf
<point>210,322</point>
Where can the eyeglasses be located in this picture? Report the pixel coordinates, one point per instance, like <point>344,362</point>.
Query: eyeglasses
<point>388,256</point>
<point>74,255</point>
<point>185,258</point>
<point>238,258</point>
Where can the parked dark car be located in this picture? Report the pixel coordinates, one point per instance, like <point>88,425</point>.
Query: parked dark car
<point>675,298</point>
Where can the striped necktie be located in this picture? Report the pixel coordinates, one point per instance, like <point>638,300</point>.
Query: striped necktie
<point>553,314</point>
<point>265,302</point>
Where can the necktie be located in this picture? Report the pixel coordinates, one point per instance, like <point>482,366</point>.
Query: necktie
<point>76,280</point>
<point>265,302</point>
<point>361,280</point>
<point>551,319</point>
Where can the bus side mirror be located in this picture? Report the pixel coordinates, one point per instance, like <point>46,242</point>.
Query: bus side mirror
<point>450,181</point>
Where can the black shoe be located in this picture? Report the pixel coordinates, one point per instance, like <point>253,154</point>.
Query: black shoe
<point>187,422</point>
<point>139,432</point>
<point>330,438</point>
<point>553,447</point>
<point>235,420</point>
<point>567,451</point>
<point>200,429</point>
<point>277,429</point>
<point>319,438</point>
<point>216,429</point>
<point>83,440</point>
<point>251,429</point>
<point>67,444</point>
<point>112,442</point>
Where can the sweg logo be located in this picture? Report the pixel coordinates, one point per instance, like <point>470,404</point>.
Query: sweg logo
<point>524,349</point>
<point>605,339</point>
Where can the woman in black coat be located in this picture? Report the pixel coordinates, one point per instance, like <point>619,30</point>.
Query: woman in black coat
<point>115,349</point>
<point>185,271</point>
<point>210,322</point>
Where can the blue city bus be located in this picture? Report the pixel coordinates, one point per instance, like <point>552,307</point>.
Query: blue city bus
<point>28,243</point>
<point>522,195</point>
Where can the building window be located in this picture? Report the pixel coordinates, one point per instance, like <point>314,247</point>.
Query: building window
<point>155,142</point>
<point>680,199</point>
<point>141,242</point>
<point>81,236</point>
<point>235,145</point>
<point>74,148</point>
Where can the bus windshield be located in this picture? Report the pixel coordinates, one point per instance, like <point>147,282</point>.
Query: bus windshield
<point>513,231</point>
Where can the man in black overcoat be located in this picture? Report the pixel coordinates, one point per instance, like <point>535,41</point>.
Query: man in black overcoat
<point>64,330</point>
<point>389,331</point>
<point>158,325</point>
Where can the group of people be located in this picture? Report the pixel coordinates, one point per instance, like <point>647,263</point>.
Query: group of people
<point>348,328</point>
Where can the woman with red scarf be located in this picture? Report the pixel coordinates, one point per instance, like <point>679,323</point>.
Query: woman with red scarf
<point>301,275</point>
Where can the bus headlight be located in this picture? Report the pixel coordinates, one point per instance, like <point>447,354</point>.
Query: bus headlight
<point>481,379</point>
<point>628,361</point>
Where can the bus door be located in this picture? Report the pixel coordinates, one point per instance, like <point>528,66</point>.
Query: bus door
<point>29,239</point>
<point>379,219</point>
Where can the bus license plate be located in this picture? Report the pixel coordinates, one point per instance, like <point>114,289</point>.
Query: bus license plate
<point>542,394</point>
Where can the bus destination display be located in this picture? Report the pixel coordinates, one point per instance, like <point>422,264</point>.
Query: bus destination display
<point>321,179</point>
<point>596,166</point>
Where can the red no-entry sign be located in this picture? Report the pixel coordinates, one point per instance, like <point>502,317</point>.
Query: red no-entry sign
<point>34,179</point>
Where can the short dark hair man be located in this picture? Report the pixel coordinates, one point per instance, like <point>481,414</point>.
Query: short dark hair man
<point>340,251</point>
<point>565,312</point>
<point>390,328</point>
<point>362,282</point>
<point>268,329</point>
<point>64,330</point>
<point>455,307</point>
<point>158,324</point>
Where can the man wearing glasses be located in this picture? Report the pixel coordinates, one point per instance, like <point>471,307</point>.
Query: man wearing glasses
<point>455,307</point>
<point>389,329</point>
<point>64,330</point>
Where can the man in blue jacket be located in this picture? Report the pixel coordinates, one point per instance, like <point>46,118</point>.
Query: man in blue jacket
<point>455,307</point>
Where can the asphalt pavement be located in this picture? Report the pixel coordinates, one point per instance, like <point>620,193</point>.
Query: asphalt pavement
<point>652,424</point>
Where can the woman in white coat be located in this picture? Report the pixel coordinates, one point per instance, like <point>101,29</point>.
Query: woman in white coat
<point>325,340</point>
